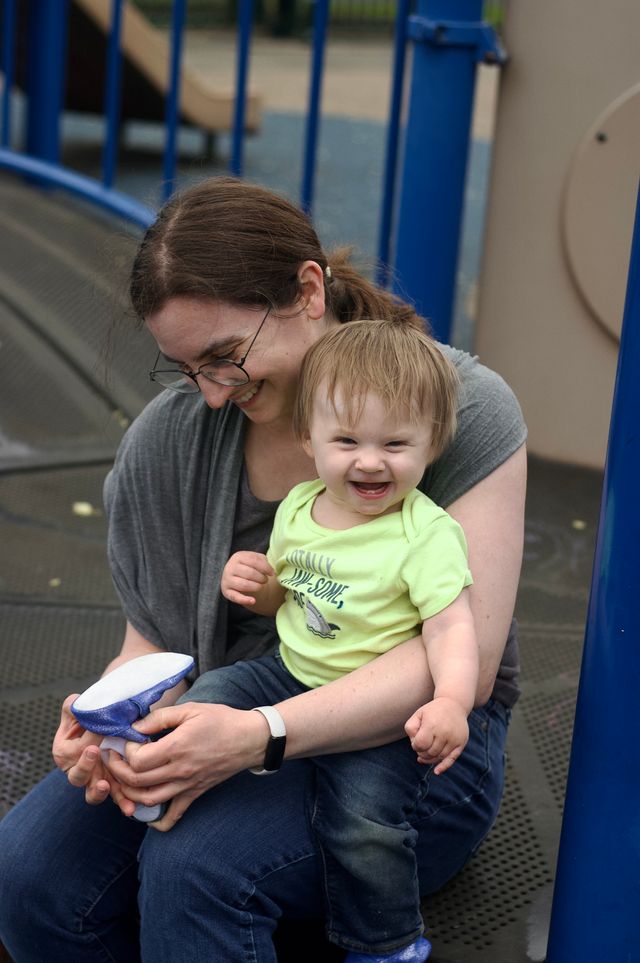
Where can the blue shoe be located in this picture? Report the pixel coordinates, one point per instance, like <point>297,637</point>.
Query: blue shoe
<point>416,952</point>
<point>111,704</point>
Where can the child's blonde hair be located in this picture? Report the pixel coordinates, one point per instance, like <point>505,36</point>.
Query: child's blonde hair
<point>396,360</point>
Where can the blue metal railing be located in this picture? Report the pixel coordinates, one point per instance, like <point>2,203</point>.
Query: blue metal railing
<point>245,23</point>
<point>445,55</point>
<point>172,114</point>
<point>112,96</point>
<point>393,140</point>
<point>320,23</point>
<point>9,62</point>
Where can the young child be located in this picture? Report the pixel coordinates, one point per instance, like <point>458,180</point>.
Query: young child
<point>358,561</point>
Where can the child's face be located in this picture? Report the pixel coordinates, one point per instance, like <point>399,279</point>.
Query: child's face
<point>368,467</point>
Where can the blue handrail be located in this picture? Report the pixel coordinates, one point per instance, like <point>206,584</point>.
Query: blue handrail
<point>86,187</point>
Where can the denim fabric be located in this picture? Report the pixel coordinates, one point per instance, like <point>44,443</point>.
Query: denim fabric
<point>243,857</point>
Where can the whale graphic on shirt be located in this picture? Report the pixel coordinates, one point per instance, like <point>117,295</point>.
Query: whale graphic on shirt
<point>317,623</point>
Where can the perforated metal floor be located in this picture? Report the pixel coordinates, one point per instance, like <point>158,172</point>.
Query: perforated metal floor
<point>59,620</point>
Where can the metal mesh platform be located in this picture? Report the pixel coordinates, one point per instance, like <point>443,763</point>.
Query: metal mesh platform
<point>59,620</point>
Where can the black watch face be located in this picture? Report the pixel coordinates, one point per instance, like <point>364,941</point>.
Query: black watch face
<point>274,753</point>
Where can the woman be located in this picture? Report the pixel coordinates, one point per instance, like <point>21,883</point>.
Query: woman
<point>234,286</point>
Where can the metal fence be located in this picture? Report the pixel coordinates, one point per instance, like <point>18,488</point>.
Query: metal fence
<point>448,39</point>
<point>294,17</point>
<point>33,51</point>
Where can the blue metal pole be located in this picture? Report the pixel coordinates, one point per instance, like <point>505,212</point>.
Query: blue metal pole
<point>393,137</point>
<point>46,77</point>
<point>8,67</point>
<point>112,96</point>
<point>450,37</point>
<point>320,22</point>
<point>172,111</point>
<point>597,890</point>
<point>245,22</point>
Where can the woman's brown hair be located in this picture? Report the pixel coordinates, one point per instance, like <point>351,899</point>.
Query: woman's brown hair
<point>226,239</point>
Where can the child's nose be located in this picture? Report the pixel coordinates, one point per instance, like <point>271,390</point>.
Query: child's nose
<point>370,460</point>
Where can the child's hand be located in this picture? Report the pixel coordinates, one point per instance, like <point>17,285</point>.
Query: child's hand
<point>244,575</point>
<point>438,731</point>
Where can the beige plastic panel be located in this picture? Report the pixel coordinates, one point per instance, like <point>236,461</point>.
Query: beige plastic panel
<point>549,300</point>
<point>599,207</point>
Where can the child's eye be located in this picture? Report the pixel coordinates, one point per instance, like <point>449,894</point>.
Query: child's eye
<point>343,440</point>
<point>396,444</point>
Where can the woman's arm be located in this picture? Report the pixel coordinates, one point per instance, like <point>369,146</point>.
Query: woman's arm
<point>492,517</point>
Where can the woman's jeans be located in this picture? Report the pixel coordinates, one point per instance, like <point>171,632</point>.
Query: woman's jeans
<point>243,856</point>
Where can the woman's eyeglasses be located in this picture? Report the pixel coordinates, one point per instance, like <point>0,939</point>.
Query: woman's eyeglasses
<point>222,372</point>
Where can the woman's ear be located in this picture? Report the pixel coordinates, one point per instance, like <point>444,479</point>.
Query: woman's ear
<point>311,279</point>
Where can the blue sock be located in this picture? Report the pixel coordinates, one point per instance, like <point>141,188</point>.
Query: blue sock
<point>416,952</point>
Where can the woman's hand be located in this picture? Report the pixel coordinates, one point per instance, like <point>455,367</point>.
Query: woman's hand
<point>76,752</point>
<point>208,744</point>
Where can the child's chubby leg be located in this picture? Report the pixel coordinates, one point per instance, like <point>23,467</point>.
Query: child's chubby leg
<point>362,821</point>
<point>243,685</point>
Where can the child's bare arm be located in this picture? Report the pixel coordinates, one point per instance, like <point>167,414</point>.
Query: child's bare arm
<point>439,730</point>
<point>452,651</point>
<point>249,580</point>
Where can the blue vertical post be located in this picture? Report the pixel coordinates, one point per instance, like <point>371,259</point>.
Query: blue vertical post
<point>172,108</point>
<point>393,139</point>
<point>245,24</point>
<point>449,39</point>
<point>47,37</point>
<point>112,96</point>
<point>8,67</point>
<point>597,890</point>
<point>320,23</point>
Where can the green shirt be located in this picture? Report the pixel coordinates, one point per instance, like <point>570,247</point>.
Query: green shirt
<point>353,594</point>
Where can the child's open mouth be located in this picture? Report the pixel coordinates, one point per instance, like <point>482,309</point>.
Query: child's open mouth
<point>371,489</point>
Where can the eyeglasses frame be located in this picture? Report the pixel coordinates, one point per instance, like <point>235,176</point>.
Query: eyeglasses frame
<point>194,374</point>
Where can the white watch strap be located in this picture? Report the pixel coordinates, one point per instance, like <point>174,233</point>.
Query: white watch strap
<point>274,720</point>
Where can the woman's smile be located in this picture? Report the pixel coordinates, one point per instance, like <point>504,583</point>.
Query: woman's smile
<point>247,394</point>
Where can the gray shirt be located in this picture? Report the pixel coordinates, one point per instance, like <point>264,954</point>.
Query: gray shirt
<point>176,513</point>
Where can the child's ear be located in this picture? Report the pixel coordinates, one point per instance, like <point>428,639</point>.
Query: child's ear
<point>306,446</point>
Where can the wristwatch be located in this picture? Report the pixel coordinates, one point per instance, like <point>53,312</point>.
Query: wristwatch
<point>274,753</point>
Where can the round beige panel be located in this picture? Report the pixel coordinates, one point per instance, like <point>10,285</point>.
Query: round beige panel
<point>599,207</point>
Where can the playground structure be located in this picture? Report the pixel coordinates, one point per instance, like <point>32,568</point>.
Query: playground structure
<point>566,160</point>
<point>518,228</point>
<point>145,78</point>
